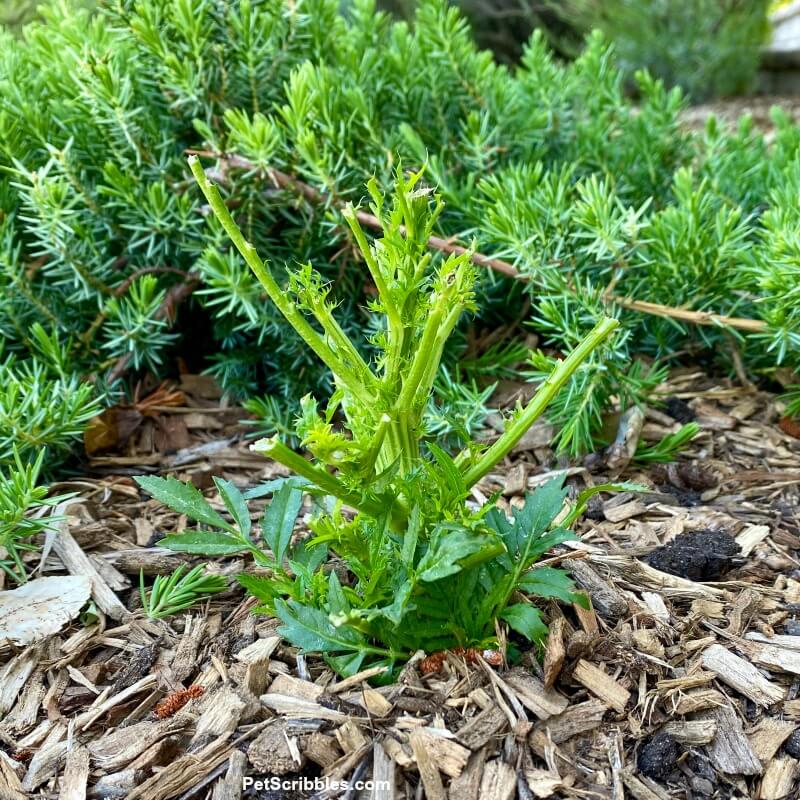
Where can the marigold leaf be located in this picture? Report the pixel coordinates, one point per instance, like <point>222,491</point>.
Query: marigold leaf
<point>207,543</point>
<point>236,505</point>
<point>279,518</point>
<point>525,620</point>
<point>310,629</point>
<point>185,498</point>
<point>549,582</point>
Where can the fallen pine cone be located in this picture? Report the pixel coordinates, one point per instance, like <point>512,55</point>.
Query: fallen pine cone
<point>433,663</point>
<point>174,702</point>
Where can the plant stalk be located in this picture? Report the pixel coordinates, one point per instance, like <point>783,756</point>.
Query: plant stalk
<point>278,451</point>
<point>352,382</point>
<point>545,394</point>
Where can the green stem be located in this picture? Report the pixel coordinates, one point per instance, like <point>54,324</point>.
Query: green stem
<point>401,444</point>
<point>394,355</point>
<point>321,478</point>
<point>258,555</point>
<point>289,310</point>
<point>396,331</point>
<point>372,264</point>
<point>426,348</point>
<point>448,304</point>
<point>341,342</point>
<point>371,456</point>
<point>422,268</point>
<point>545,394</point>
<point>434,360</point>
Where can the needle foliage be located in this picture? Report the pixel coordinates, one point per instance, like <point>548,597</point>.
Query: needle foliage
<point>547,165</point>
<point>177,592</point>
<point>23,513</point>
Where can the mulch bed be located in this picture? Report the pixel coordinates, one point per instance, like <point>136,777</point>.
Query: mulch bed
<point>681,685</point>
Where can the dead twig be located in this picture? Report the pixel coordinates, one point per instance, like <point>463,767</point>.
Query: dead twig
<point>120,290</point>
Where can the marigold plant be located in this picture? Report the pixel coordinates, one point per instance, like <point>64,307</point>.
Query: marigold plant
<point>398,558</point>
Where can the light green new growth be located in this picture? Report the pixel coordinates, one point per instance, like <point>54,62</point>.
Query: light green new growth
<point>384,410</point>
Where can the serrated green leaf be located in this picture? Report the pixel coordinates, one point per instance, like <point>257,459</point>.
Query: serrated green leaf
<point>540,546</point>
<point>452,475</point>
<point>525,620</point>
<point>541,507</point>
<point>262,588</point>
<point>207,543</point>
<point>308,554</point>
<point>279,518</point>
<point>236,505</point>
<point>450,546</point>
<point>311,630</point>
<point>337,602</point>
<point>270,487</point>
<point>185,498</point>
<point>548,582</point>
<point>581,598</point>
<point>530,522</point>
<point>411,537</point>
<point>346,665</point>
<point>397,609</point>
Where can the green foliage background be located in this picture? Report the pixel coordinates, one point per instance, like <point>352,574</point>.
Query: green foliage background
<point>546,165</point>
<point>710,48</point>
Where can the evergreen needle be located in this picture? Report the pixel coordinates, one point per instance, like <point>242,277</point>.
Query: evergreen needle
<point>177,592</point>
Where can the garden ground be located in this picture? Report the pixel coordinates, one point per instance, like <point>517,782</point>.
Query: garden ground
<point>672,686</point>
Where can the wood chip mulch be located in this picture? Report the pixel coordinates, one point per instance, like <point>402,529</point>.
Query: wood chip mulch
<point>682,681</point>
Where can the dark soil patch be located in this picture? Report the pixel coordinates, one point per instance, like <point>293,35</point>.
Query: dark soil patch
<point>698,555</point>
<point>679,410</point>
<point>659,756</point>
